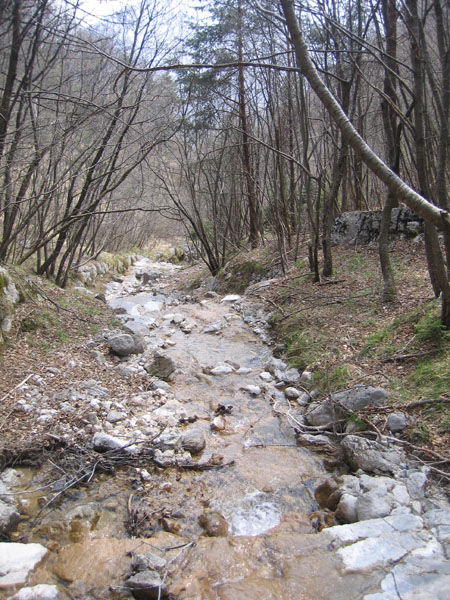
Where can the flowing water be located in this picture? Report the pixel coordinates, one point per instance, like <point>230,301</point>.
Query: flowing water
<point>258,481</point>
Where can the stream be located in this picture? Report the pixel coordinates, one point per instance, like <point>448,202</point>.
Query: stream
<point>221,512</point>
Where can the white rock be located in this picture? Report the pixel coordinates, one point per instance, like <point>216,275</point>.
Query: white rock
<point>243,371</point>
<point>17,561</point>
<point>222,369</point>
<point>379,552</point>
<point>254,390</point>
<point>416,483</point>
<point>266,376</point>
<point>374,527</point>
<point>231,298</point>
<point>37,592</point>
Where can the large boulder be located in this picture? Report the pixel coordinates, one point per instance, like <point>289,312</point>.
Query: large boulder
<point>124,344</point>
<point>363,226</point>
<point>338,406</point>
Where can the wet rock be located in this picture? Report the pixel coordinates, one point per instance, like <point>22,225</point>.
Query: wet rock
<point>222,369</point>
<point>193,440</point>
<point>370,456</point>
<point>170,525</point>
<point>9,517</point>
<point>161,367</point>
<point>37,592</point>
<point>323,492</point>
<point>146,585</point>
<point>149,562</point>
<point>346,510</point>
<point>213,523</point>
<point>396,422</point>
<point>17,561</point>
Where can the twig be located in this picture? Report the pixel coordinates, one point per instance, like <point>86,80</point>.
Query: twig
<point>15,387</point>
<point>402,357</point>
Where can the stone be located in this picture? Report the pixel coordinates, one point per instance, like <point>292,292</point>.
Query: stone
<point>121,344</point>
<point>323,491</point>
<point>416,483</point>
<point>102,442</point>
<point>9,517</point>
<point>333,409</point>
<point>418,580</point>
<point>253,390</point>
<point>17,561</point>
<point>42,591</point>
<point>370,456</point>
<point>291,376</point>
<point>292,393</point>
<point>222,369</point>
<point>161,367</point>
<point>306,377</point>
<point>373,505</point>
<point>346,510</point>
<point>193,440</point>
<point>351,533</point>
<point>213,523</point>
<point>266,376</point>
<point>437,517</point>
<point>218,423</point>
<point>231,298</point>
<point>396,422</point>
<point>363,227</point>
<point>275,364</point>
<point>114,416</point>
<point>378,552</point>
<point>148,561</point>
<point>360,397</point>
<point>321,442</point>
<point>146,585</point>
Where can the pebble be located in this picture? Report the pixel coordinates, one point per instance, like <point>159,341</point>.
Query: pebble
<point>222,369</point>
<point>254,390</point>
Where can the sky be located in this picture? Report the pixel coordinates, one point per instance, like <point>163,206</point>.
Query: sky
<point>102,8</point>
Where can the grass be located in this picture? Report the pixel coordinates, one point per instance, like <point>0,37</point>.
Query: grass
<point>345,334</point>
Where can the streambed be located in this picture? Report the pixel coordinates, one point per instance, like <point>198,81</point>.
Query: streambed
<point>222,502</point>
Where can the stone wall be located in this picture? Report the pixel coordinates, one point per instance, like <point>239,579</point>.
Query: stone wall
<point>363,227</point>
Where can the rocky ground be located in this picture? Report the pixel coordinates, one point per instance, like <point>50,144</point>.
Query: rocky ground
<point>179,395</point>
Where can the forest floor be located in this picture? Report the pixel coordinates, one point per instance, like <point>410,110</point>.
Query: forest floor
<point>339,329</point>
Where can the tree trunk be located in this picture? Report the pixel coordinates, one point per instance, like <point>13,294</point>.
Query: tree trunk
<point>440,218</point>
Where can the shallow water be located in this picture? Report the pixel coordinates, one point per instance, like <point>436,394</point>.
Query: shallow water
<point>264,495</point>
